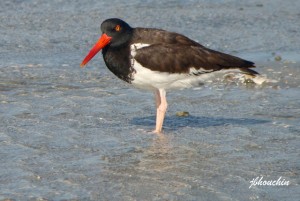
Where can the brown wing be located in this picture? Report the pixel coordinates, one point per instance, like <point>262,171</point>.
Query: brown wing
<point>178,58</point>
<point>159,36</point>
<point>176,53</point>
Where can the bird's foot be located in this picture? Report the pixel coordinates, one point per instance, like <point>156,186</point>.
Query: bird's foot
<point>150,131</point>
<point>156,131</point>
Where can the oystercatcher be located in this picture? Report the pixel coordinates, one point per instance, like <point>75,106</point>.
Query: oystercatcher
<point>158,60</point>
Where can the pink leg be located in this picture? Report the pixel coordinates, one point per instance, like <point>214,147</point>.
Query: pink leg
<point>161,108</point>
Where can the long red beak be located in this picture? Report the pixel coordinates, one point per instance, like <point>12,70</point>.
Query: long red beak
<point>101,43</point>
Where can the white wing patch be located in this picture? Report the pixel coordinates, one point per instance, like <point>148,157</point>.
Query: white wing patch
<point>135,46</point>
<point>194,71</point>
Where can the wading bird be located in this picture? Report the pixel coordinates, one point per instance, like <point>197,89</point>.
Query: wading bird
<point>158,60</point>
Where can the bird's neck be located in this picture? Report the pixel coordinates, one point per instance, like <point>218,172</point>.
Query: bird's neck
<point>117,59</point>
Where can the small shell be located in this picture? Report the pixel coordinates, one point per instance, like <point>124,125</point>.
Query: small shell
<point>182,114</point>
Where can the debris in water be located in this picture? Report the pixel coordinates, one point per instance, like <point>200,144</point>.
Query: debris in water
<point>278,58</point>
<point>182,114</point>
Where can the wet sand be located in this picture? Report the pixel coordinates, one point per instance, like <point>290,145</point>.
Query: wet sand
<point>81,134</point>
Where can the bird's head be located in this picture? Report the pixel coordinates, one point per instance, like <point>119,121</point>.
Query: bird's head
<point>115,33</point>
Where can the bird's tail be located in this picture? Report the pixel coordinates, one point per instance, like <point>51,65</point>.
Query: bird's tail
<point>249,72</point>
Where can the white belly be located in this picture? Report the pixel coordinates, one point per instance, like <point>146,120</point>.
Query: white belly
<point>145,78</point>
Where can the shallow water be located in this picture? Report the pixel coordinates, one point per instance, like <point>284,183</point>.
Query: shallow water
<point>81,134</point>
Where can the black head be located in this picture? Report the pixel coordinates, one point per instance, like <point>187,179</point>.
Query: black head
<point>115,33</point>
<point>119,31</point>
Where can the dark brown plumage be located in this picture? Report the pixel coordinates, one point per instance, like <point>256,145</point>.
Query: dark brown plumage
<point>175,53</point>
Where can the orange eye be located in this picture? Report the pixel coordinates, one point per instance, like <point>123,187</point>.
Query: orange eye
<point>118,28</point>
